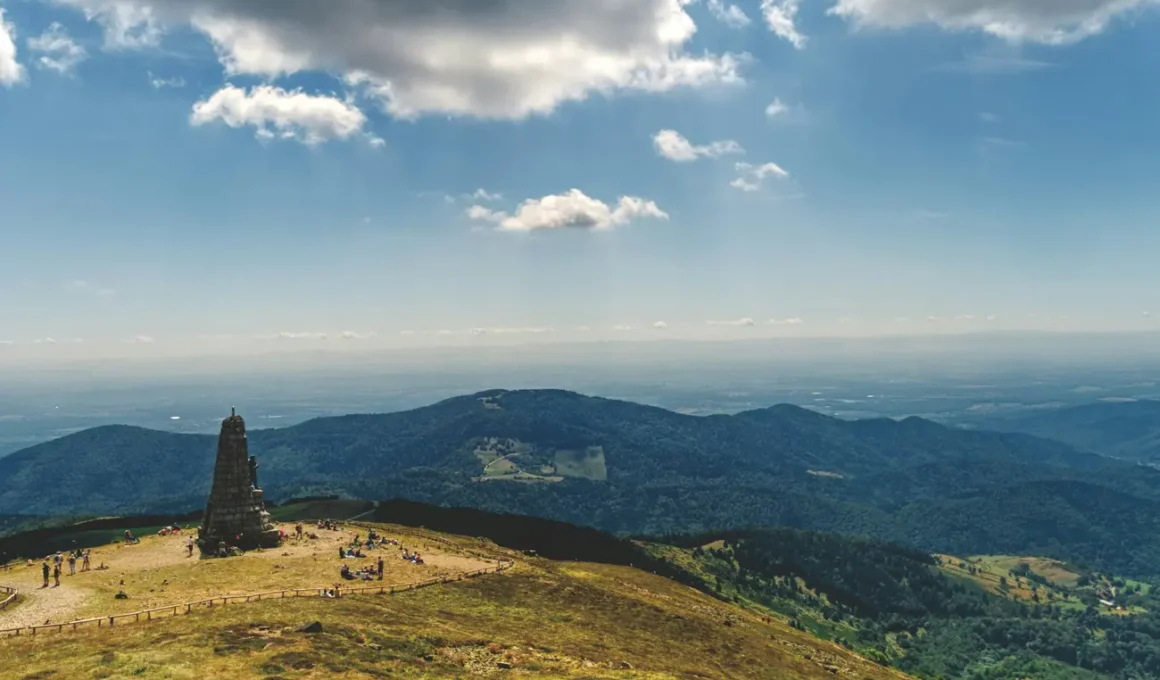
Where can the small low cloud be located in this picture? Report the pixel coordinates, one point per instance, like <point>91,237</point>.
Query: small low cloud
<point>11,71</point>
<point>275,113</point>
<point>352,335</point>
<point>44,341</point>
<point>781,18</point>
<point>660,325</point>
<point>504,330</point>
<point>141,340</point>
<point>158,83</point>
<point>483,195</point>
<point>672,145</point>
<point>406,334</point>
<point>7,342</point>
<point>746,321</point>
<point>791,321</point>
<point>752,177</point>
<point>622,327</point>
<point>570,210</point>
<point>444,333</point>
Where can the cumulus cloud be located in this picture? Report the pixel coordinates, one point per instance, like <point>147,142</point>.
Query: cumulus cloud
<point>141,340</point>
<point>58,52</point>
<point>484,195</point>
<point>622,328</point>
<point>11,72</point>
<point>734,322</point>
<point>502,59</point>
<point>158,83</point>
<point>88,288</point>
<point>780,16</point>
<point>791,321</point>
<point>572,209</point>
<point>660,325</point>
<point>351,335</point>
<point>278,113</point>
<point>729,14</point>
<point>1039,21</point>
<point>671,145</point>
<point>776,108</point>
<point>752,177</point>
<point>44,341</point>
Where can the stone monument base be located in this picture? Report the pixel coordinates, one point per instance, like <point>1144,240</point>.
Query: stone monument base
<point>268,538</point>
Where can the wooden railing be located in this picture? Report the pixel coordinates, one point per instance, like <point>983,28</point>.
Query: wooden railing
<point>9,598</point>
<point>188,607</point>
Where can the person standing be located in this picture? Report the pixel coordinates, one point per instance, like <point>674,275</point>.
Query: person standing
<point>72,564</point>
<point>380,567</point>
<point>189,546</point>
<point>85,566</point>
<point>56,573</point>
<point>44,571</point>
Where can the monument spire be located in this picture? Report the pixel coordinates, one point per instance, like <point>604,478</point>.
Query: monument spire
<point>235,515</point>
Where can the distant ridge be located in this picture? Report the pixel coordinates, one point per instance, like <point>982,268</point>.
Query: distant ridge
<point>621,467</point>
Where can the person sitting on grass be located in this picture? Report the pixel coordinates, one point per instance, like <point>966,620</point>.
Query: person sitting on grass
<point>345,572</point>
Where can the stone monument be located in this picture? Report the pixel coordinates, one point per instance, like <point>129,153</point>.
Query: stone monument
<point>235,515</point>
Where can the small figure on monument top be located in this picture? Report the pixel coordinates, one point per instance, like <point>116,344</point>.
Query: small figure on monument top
<point>235,514</point>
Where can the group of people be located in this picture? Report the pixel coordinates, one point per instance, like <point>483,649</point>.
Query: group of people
<point>59,560</point>
<point>367,573</point>
<point>372,541</point>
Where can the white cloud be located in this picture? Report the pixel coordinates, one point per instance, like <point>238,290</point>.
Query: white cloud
<point>1053,22</point>
<point>449,57</point>
<point>622,328</point>
<point>483,195</point>
<point>776,108</point>
<point>286,114</point>
<point>351,335</point>
<point>406,334</point>
<point>572,209</point>
<point>444,333</point>
<point>671,145</point>
<point>780,16</point>
<point>58,52</point>
<point>736,322</point>
<point>141,340</point>
<point>661,325</point>
<point>11,72</point>
<point>752,177</point>
<point>729,14</point>
<point>87,288</point>
<point>7,342</point>
<point>503,330</point>
<point>792,321</point>
<point>44,341</point>
<point>158,83</point>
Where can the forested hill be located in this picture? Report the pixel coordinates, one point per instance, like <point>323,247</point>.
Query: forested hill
<point>1125,429</point>
<point>617,466</point>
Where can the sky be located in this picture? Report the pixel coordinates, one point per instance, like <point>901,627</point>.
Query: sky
<point>230,176</point>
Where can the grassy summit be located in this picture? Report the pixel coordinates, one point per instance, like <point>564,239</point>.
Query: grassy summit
<point>540,619</point>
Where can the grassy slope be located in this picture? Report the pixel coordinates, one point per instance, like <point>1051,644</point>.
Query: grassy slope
<point>546,619</point>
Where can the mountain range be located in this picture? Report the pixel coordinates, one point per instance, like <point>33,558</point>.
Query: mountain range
<point>634,469</point>
<point>1122,429</point>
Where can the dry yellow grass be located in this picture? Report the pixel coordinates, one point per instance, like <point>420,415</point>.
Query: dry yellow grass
<point>540,619</point>
<point>158,572</point>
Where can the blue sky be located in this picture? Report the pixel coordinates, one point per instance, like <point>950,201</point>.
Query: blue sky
<point>189,177</point>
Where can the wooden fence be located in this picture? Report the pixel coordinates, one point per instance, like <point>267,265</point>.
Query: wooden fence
<point>222,600</point>
<point>12,593</point>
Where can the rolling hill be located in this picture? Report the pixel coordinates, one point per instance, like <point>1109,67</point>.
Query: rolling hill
<point>1123,429</point>
<point>628,468</point>
<point>542,618</point>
